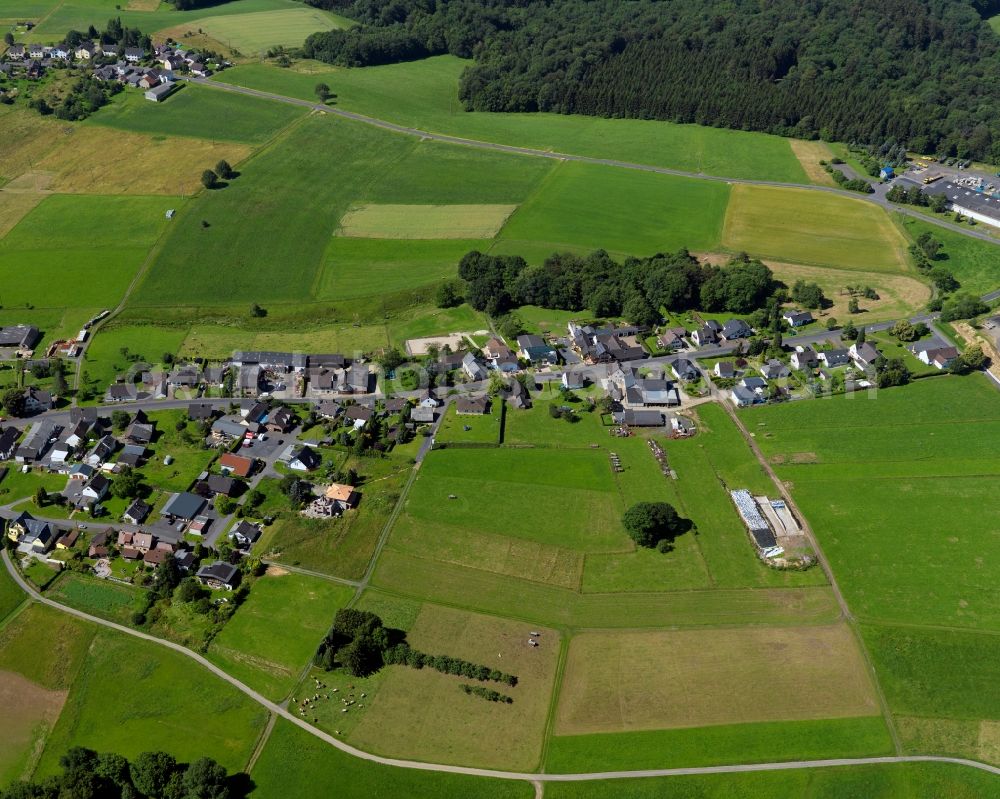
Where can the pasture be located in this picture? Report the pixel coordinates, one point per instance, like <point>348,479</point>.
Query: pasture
<point>899,488</point>
<point>294,763</point>
<point>201,113</point>
<point>103,598</point>
<point>14,207</point>
<point>424,94</point>
<point>585,206</point>
<point>380,221</point>
<point>256,32</point>
<point>105,360</point>
<point>10,595</point>
<point>813,228</point>
<point>858,736</point>
<point>884,781</point>
<point>472,429</point>
<point>631,681</point>
<point>180,709</point>
<point>51,256</point>
<point>457,728</point>
<point>274,634</point>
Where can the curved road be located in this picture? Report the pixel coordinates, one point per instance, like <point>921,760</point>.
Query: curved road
<point>284,713</point>
<point>878,198</point>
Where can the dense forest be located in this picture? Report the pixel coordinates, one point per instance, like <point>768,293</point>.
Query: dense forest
<point>919,72</point>
<point>635,289</point>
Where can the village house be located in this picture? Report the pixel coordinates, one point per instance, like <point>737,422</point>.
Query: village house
<point>304,459</point>
<point>495,348</point>
<point>137,512</point>
<point>184,506</point>
<point>8,442</point>
<point>671,339</point>
<point>472,368</point>
<point>36,401</point>
<point>534,349</point>
<point>804,358</point>
<point>685,370</point>
<point>736,329</point>
<point>358,415</point>
<point>236,464</point>
<point>724,369</point>
<point>933,354</point>
<point>775,370</point>
<point>423,415</point>
<point>707,334</point>
<point>280,420</point>
<point>472,406</point>
<point>835,357</point>
<point>200,411</point>
<point>743,396</point>
<point>30,534</point>
<point>638,418</point>
<point>797,318</point>
<point>219,575</point>
<point>245,534</point>
<point>864,355</point>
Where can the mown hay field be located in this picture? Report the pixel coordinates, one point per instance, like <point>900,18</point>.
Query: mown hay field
<point>377,221</point>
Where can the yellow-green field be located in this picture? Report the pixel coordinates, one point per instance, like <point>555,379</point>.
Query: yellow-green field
<point>254,33</point>
<point>424,221</point>
<point>14,206</point>
<point>423,714</point>
<point>813,228</point>
<point>656,680</point>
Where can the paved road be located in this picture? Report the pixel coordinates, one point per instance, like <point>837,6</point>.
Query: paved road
<point>878,198</point>
<point>284,713</point>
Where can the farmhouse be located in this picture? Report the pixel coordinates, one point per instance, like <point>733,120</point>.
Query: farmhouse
<point>20,337</point>
<point>219,575</point>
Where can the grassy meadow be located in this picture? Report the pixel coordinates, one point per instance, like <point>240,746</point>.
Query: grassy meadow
<point>258,31</point>
<point>424,94</point>
<point>813,228</point>
<point>976,264</point>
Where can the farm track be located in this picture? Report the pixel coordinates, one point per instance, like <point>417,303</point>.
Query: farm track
<point>536,779</point>
<point>877,199</point>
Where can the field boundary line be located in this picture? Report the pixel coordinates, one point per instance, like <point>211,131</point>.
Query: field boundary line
<point>522,776</point>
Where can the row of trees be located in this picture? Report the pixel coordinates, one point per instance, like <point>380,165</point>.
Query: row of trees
<point>838,70</point>
<point>635,289</point>
<point>87,774</point>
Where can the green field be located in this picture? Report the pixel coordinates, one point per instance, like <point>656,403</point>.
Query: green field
<point>813,228</point>
<point>584,206</point>
<point>273,635</point>
<point>424,94</point>
<point>384,221</point>
<point>199,113</point>
<point>105,360</point>
<point>80,251</point>
<point>165,702</point>
<point>295,763</point>
<point>899,491</point>
<point>719,744</point>
<point>10,594</point>
<point>258,31</point>
<point>101,598</point>
<point>891,781</point>
<point>975,263</point>
<point>472,429</point>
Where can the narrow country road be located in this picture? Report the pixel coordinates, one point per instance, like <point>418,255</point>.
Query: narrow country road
<point>878,198</point>
<point>284,713</point>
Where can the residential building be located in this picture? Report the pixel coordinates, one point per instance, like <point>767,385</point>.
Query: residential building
<point>797,318</point>
<point>304,459</point>
<point>533,348</point>
<point>244,534</point>
<point>864,355</point>
<point>472,406</point>
<point>835,357</point>
<point>236,464</point>
<point>219,575</point>
<point>804,358</point>
<point>685,370</point>
<point>137,512</point>
<point>184,506</point>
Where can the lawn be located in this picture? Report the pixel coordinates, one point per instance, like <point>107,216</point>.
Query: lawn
<point>50,259</point>
<point>899,490</point>
<point>481,430</point>
<point>105,360</point>
<point>294,763</point>
<point>200,113</point>
<point>384,221</point>
<point>166,702</point>
<point>256,32</point>
<point>813,228</point>
<point>586,207</point>
<point>424,94</point>
<point>454,727</point>
<point>629,681</point>
<point>975,263</point>
<point>719,744</point>
<point>273,635</point>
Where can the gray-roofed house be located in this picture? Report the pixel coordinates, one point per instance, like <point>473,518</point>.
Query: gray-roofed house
<point>864,354</point>
<point>775,369</point>
<point>797,318</point>
<point>200,411</point>
<point>736,329</point>
<point>638,418</point>
<point>8,442</point>
<point>244,534</point>
<point>422,415</point>
<point>137,512</point>
<point>534,349</point>
<point>472,368</point>
<point>724,369</point>
<point>183,505</point>
<point>835,357</point>
<point>805,358</point>
<point>30,534</point>
<point>743,396</point>
<point>304,459</point>
<point>472,406</point>
<point>683,369</point>
<point>219,575</point>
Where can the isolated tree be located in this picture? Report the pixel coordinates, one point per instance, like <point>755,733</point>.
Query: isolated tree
<point>127,484</point>
<point>13,401</point>
<point>448,296</point>
<point>971,360</point>
<point>647,523</point>
<point>861,335</point>
<point>223,170</point>
<point>904,331</point>
<point>8,38</point>
<point>322,92</point>
<point>119,420</point>
<point>852,305</point>
<point>41,497</point>
<point>209,179</point>
<point>849,332</point>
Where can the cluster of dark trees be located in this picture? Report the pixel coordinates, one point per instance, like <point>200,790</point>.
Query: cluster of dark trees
<point>851,184</point>
<point>919,73</point>
<point>359,642</point>
<point>913,196</point>
<point>151,775</point>
<point>654,524</point>
<point>85,95</point>
<point>635,289</point>
<point>487,693</point>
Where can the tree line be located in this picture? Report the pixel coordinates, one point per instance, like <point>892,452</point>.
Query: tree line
<point>635,289</point>
<point>151,775</point>
<point>919,73</point>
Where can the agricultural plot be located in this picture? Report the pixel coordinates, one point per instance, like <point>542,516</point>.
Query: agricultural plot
<point>813,228</point>
<point>256,32</point>
<point>768,741</point>
<point>10,595</point>
<point>376,221</point>
<point>899,491</point>
<point>181,708</point>
<point>105,360</point>
<point>424,94</point>
<point>14,207</point>
<point>810,153</point>
<point>103,598</point>
<point>41,652</point>
<point>273,635</point>
<point>294,763</point>
<point>49,259</point>
<point>585,207</point>
<point>975,263</point>
<point>457,728</point>
<point>692,678</point>
<point>200,113</point>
